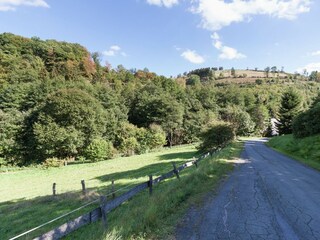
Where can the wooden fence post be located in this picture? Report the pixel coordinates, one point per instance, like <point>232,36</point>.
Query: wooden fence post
<point>195,162</point>
<point>54,189</point>
<point>103,212</point>
<point>112,189</point>
<point>150,183</point>
<point>175,170</point>
<point>83,187</point>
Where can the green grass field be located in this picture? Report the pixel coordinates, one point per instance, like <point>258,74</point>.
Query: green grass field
<point>35,182</point>
<point>27,200</point>
<point>305,150</point>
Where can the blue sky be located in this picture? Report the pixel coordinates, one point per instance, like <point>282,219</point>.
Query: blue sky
<point>173,36</point>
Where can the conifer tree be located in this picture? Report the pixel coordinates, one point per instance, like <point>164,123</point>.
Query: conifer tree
<point>289,109</point>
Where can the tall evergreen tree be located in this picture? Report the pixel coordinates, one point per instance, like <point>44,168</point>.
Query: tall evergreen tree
<point>289,109</point>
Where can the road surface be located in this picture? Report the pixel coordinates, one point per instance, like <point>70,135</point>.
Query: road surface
<point>269,196</point>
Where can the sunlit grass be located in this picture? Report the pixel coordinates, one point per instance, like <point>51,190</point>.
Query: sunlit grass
<point>156,217</point>
<point>35,182</point>
<point>143,217</point>
<point>305,150</point>
<point>26,196</point>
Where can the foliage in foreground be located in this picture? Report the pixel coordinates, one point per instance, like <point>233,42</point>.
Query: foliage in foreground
<point>155,217</point>
<point>143,216</point>
<point>306,150</point>
<point>28,202</point>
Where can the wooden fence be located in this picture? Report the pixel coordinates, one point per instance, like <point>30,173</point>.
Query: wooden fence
<point>106,207</point>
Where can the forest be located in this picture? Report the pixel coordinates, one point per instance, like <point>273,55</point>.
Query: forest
<point>59,103</point>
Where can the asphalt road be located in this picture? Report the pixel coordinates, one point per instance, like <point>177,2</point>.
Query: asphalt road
<point>269,196</point>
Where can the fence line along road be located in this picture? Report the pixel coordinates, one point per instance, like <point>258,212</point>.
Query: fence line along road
<point>106,207</point>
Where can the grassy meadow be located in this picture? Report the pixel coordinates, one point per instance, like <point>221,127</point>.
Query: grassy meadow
<point>305,150</point>
<point>27,200</point>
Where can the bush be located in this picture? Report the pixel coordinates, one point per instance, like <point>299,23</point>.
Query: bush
<point>53,162</point>
<point>217,136</point>
<point>157,137</point>
<point>98,150</point>
<point>129,146</point>
<point>133,140</point>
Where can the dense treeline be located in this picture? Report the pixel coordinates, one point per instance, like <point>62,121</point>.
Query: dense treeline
<point>307,123</point>
<point>57,102</point>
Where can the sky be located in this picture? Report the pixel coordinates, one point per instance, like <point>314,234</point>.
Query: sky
<point>174,36</point>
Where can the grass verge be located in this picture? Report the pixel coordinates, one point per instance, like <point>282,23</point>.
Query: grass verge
<point>305,150</point>
<point>155,217</point>
<point>143,217</point>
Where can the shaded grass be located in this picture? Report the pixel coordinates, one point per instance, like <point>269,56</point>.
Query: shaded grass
<point>26,201</point>
<point>34,182</point>
<point>143,217</point>
<point>155,217</point>
<point>305,150</point>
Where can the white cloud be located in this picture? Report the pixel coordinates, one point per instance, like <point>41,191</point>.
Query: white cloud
<point>226,52</point>
<point>165,3</point>
<point>113,51</point>
<point>11,5</point>
<point>177,48</point>
<point>193,57</point>
<point>316,53</point>
<point>115,48</point>
<point>310,67</point>
<point>217,14</point>
<point>230,53</point>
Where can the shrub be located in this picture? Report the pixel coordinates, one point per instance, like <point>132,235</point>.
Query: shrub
<point>133,140</point>
<point>157,137</point>
<point>98,150</point>
<point>217,136</point>
<point>53,162</point>
<point>129,146</point>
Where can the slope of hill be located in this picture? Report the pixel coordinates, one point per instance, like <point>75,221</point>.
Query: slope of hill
<point>59,104</point>
<point>305,150</point>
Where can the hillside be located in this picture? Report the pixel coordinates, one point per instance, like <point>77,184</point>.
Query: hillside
<point>241,73</point>
<point>240,76</point>
<point>59,104</point>
<point>305,150</point>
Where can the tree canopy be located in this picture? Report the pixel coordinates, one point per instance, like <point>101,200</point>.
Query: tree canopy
<point>57,100</point>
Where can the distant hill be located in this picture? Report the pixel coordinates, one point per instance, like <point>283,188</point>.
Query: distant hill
<point>238,76</point>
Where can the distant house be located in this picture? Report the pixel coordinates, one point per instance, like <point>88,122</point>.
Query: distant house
<point>274,127</point>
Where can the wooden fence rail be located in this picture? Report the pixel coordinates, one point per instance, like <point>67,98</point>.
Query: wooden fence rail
<point>100,212</point>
